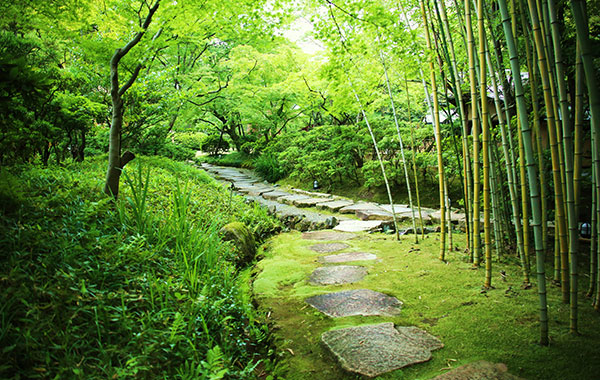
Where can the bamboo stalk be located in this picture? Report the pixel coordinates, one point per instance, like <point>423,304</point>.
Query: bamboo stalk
<point>475,132</point>
<point>531,169</point>
<point>410,202</point>
<point>567,130</point>
<point>556,175</point>
<point>438,137</point>
<point>485,146</point>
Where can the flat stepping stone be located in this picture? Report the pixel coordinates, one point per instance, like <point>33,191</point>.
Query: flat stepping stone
<point>337,275</point>
<point>355,302</point>
<point>327,235</point>
<point>419,337</point>
<point>310,202</point>
<point>358,225</point>
<point>334,205</point>
<point>374,215</point>
<point>273,195</point>
<point>373,350</point>
<point>289,199</point>
<point>314,194</point>
<point>398,209</point>
<point>329,247</point>
<point>347,257</point>
<point>359,206</point>
<point>480,370</point>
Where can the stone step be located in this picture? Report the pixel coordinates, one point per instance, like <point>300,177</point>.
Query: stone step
<point>372,350</point>
<point>363,302</point>
<point>337,275</point>
<point>334,205</point>
<point>347,257</point>
<point>360,225</point>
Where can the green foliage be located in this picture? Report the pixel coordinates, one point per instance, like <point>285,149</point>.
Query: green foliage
<point>214,144</point>
<point>189,140</point>
<point>268,166</point>
<point>330,154</point>
<point>142,288</point>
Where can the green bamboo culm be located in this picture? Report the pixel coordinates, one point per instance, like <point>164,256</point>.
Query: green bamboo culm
<point>410,201</point>
<point>476,217</point>
<point>567,130</point>
<point>438,138</point>
<point>485,146</point>
<point>531,171</point>
<point>554,151</point>
<point>581,25</point>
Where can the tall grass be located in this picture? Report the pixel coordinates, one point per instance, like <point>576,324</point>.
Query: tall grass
<point>142,290</point>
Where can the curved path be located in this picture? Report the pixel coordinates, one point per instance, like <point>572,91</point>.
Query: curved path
<point>305,210</point>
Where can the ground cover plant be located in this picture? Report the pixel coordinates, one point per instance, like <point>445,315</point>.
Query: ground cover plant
<point>144,288</point>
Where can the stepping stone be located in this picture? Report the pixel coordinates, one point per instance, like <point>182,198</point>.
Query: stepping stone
<point>255,190</point>
<point>334,205</point>
<point>374,215</point>
<point>373,350</point>
<point>355,302</point>
<point>289,199</point>
<point>480,370</point>
<point>419,337</point>
<point>273,195</point>
<point>327,235</point>
<point>313,194</point>
<point>337,275</point>
<point>358,225</point>
<point>347,257</point>
<point>398,209</point>
<point>359,207</point>
<point>329,247</point>
<point>310,202</point>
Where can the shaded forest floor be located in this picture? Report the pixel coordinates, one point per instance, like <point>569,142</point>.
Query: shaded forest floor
<point>445,299</point>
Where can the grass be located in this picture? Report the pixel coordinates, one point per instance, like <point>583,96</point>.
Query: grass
<point>445,299</point>
<point>142,288</point>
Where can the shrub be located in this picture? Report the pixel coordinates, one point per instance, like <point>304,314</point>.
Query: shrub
<point>213,144</point>
<point>267,165</point>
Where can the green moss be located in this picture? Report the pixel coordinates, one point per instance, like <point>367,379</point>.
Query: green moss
<point>445,299</point>
<point>242,239</point>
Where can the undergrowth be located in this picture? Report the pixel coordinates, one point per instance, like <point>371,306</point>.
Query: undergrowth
<point>142,288</point>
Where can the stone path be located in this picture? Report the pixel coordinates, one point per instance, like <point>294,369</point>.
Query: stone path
<point>368,350</point>
<point>303,210</point>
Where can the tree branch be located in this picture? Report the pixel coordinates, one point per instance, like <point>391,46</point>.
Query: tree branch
<point>132,79</point>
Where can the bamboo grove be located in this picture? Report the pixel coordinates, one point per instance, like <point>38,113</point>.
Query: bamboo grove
<point>519,81</point>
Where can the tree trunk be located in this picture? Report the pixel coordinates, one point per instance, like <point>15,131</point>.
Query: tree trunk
<point>116,162</point>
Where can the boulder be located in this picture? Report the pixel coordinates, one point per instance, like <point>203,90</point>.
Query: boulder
<point>243,241</point>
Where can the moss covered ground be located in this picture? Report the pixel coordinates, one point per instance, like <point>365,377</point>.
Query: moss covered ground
<point>444,298</point>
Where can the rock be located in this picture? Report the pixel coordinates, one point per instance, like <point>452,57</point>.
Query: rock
<point>358,225</point>
<point>289,199</point>
<point>355,302</point>
<point>398,209</point>
<point>337,275</point>
<point>309,202</point>
<point>243,240</point>
<point>480,370</point>
<point>419,337</point>
<point>360,206</point>
<point>327,235</point>
<point>334,205</point>
<point>312,194</point>
<point>347,257</point>
<point>374,215</point>
<point>373,350</point>
<point>329,247</point>
<point>273,195</point>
